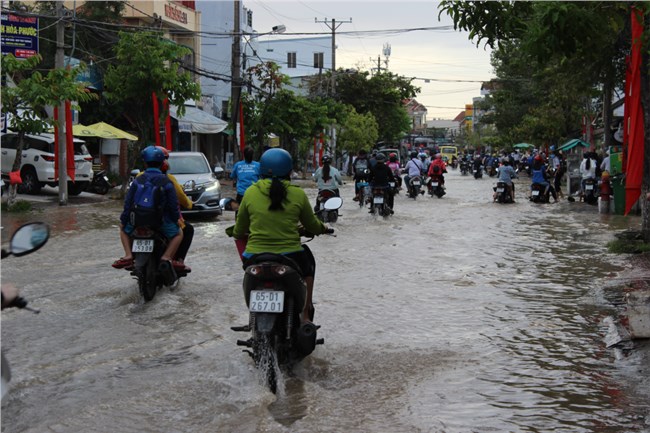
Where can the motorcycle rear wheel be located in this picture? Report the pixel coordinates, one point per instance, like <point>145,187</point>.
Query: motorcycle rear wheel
<point>266,360</point>
<point>147,279</point>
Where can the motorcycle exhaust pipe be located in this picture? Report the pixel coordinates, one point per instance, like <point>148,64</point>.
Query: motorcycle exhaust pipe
<point>306,338</point>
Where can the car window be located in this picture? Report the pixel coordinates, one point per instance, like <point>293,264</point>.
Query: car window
<point>10,141</point>
<point>81,149</point>
<point>188,164</point>
<point>40,145</point>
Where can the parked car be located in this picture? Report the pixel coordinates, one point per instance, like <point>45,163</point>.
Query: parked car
<point>199,181</point>
<point>37,164</point>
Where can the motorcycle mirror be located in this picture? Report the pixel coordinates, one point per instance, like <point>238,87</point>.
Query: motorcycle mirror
<point>333,203</point>
<point>135,172</point>
<point>29,238</point>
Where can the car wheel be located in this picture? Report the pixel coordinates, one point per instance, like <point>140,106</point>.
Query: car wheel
<point>30,183</point>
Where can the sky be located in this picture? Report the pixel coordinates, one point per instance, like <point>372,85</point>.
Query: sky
<point>452,64</point>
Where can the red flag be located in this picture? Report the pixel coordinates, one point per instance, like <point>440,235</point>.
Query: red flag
<point>168,126</point>
<point>156,118</point>
<point>322,150</point>
<point>242,140</point>
<point>314,163</point>
<point>69,154</point>
<point>56,143</point>
<point>635,156</point>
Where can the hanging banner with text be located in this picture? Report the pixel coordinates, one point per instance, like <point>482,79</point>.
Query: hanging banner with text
<point>19,35</point>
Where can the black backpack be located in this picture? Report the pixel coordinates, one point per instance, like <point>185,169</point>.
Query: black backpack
<point>148,201</point>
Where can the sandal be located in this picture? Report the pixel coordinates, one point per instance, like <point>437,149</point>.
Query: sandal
<point>123,262</point>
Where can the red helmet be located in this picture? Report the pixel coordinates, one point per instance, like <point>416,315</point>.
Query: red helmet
<point>165,164</point>
<point>539,158</point>
<point>392,155</point>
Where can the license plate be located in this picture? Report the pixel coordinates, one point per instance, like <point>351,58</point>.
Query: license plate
<point>106,178</point>
<point>589,187</point>
<point>434,184</point>
<point>266,301</point>
<point>142,246</point>
<point>416,183</point>
<point>391,184</point>
<point>535,192</point>
<point>501,190</point>
<point>379,199</point>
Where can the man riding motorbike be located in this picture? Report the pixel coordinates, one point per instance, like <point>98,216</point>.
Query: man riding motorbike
<point>506,174</point>
<point>539,175</point>
<point>393,164</point>
<point>413,168</point>
<point>380,176</point>
<point>269,217</point>
<point>360,168</point>
<point>438,168</point>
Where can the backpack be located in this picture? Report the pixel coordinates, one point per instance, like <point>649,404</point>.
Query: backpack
<point>148,201</point>
<point>360,165</point>
<point>435,169</point>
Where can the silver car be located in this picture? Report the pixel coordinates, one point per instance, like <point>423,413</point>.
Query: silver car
<point>199,181</point>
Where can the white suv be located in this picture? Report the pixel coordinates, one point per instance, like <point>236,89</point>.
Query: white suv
<point>37,165</point>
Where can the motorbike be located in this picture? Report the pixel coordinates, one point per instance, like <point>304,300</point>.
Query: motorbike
<point>435,186</point>
<point>148,246</point>
<point>537,194</point>
<point>100,183</point>
<point>379,205</point>
<point>464,167</point>
<point>324,213</point>
<point>478,172</point>
<point>590,193</point>
<point>502,193</point>
<point>415,184</point>
<point>275,294</point>
<point>25,240</point>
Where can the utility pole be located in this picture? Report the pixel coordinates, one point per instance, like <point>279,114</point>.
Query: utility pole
<point>333,26</point>
<point>235,86</point>
<point>59,64</point>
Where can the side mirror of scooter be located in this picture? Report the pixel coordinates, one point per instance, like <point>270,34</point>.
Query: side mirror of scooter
<point>333,203</point>
<point>27,239</point>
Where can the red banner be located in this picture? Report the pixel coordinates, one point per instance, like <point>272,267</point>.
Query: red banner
<point>168,126</point>
<point>156,118</point>
<point>56,143</point>
<point>69,141</point>
<point>635,156</point>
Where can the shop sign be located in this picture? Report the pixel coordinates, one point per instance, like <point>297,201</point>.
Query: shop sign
<point>175,14</point>
<point>19,35</point>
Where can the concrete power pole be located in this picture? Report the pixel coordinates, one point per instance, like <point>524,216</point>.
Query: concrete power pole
<point>235,87</point>
<point>333,26</point>
<point>59,63</point>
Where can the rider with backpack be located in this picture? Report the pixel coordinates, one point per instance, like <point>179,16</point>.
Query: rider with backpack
<point>151,200</point>
<point>438,168</point>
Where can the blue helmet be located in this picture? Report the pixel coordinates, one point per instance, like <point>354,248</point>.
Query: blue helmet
<point>276,162</point>
<point>152,154</point>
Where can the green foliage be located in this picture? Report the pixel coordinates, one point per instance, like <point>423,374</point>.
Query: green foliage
<point>627,246</point>
<point>358,131</point>
<point>146,64</point>
<point>18,206</point>
<point>381,95</point>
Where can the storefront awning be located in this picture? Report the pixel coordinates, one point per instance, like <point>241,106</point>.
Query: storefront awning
<point>198,121</point>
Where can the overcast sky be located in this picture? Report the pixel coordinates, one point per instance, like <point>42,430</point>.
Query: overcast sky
<point>435,54</point>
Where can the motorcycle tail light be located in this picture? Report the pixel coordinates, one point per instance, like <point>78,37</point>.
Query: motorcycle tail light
<point>280,270</point>
<point>256,270</point>
<point>143,232</point>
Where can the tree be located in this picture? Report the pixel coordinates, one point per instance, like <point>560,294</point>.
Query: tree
<point>358,131</point>
<point>147,64</point>
<point>381,95</point>
<point>25,102</point>
<point>554,33</point>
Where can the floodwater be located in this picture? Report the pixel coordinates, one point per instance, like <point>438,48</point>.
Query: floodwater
<point>453,315</point>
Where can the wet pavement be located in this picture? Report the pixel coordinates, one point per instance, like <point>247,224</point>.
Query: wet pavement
<point>453,315</point>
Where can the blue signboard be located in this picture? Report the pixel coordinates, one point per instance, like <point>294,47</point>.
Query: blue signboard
<point>19,35</point>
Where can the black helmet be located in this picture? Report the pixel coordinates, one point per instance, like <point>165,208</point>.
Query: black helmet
<point>327,159</point>
<point>380,157</point>
<point>413,154</point>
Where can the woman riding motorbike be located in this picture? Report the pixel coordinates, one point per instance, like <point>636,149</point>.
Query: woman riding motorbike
<point>269,217</point>
<point>328,178</point>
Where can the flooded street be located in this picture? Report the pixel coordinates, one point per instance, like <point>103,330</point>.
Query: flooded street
<point>453,315</point>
